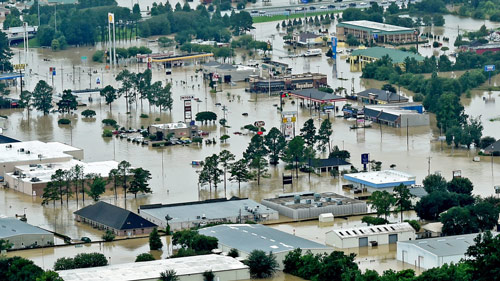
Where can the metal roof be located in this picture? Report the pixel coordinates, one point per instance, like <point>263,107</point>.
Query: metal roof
<point>445,246</point>
<point>397,56</point>
<point>249,237</point>
<point>381,95</point>
<point>11,227</point>
<point>363,231</point>
<point>329,162</point>
<point>381,179</point>
<point>316,95</point>
<point>376,27</point>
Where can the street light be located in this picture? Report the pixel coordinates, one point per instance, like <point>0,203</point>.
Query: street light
<point>167,218</point>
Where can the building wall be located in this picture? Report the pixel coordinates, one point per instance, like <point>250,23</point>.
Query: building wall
<point>353,242</point>
<point>314,212</point>
<point>414,255</point>
<point>415,120</point>
<point>118,232</point>
<point>25,240</point>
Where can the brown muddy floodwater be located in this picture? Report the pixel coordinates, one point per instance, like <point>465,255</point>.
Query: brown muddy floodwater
<point>175,180</point>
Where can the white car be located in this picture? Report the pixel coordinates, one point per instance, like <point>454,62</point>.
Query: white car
<point>299,9</point>
<point>323,7</point>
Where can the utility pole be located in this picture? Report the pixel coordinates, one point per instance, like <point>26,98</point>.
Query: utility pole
<point>114,42</point>
<point>55,18</point>
<point>429,165</point>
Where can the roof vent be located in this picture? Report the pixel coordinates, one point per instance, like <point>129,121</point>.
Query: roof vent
<point>317,196</point>
<point>296,199</point>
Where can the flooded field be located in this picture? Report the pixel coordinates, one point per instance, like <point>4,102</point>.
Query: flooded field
<point>175,180</point>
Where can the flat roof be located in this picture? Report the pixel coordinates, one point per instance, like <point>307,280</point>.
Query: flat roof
<point>397,56</point>
<point>44,171</point>
<point>362,231</point>
<point>288,200</point>
<point>171,126</point>
<point>381,179</point>
<point>211,209</point>
<point>11,227</point>
<point>249,237</point>
<point>375,27</point>
<point>52,150</point>
<point>445,246</point>
<point>316,95</point>
<point>152,269</point>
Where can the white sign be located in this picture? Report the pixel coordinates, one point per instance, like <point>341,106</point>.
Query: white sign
<point>187,115</point>
<point>187,97</point>
<point>98,80</point>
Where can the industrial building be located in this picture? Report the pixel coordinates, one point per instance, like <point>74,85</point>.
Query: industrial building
<point>122,222</point>
<point>374,235</point>
<point>228,72</point>
<point>328,165</point>
<point>186,269</point>
<point>434,252</point>
<point>380,179</point>
<point>193,214</point>
<point>24,235</point>
<point>377,96</point>
<point>366,31</point>
<point>361,57</point>
<point>276,68</point>
<point>248,237</point>
<point>176,130</point>
<point>287,82</point>
<point>309,205</point>
<point>308,38</point>
<point>397,115</point>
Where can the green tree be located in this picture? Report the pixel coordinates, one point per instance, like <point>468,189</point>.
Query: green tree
<point>109,94</point>
<point>49,276</point>
<point>208,275</point>
<point>154,240</point>
<point>18,269</point>
<point>458,220</point>
<point>114,177</point>
<point>85,260</point>
<point>50,193</point>
<point>64,264</point>
<point>5,53</point>
<point>241,22</point>
<point>88,113</point>
<point>164,98</point>
<point>382,201</point>
<point>97,186</point>
<point>5,245</point>
<point>460,185</point>
<point>233,253</point>
<point>434,182</point>
<point>225,158</point>
<point>341,154</point>
<point>484,257</point>
<point>324,134</point>
<point>403,199</point>
<point>275,143</point>
<point>205,116</point>
<point>169,275</point>
<point>211,172</point>
<point>144,257</point>
<point>255,155</point>
<point>127,84</point>
<point>26,101</point>
<point>124,172</point>
<point>430,206</point>
<point>239,172</point>
<point>139,183</point>
<point>308,133</point>
<point>108,236</point>
<point>261,265</point>
<point>294,153</point>
<point>42,97</point>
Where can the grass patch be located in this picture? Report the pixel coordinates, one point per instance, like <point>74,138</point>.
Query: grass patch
<point>261,19</point>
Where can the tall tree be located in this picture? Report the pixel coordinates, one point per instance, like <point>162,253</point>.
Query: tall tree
<point>154,240</point>
<point>255,155</point>
<point>68,177</point>
<point>97,186</point>
<point>57,179</point>
<point>26,101</point>
<point>5,53</point>
<point>382,201</point>
<point>50,193</point>
<point>294,153</point>
<point>42,97</point>
<point>114,177</point>
<point>239,172</point>
<point>225,159</point>
<point>164,98</point>
<point>77,176</point>
<point>403,199</point>
<point>140,181</point>
<point>308,132</point>
<point>275,143</point>
<point>124,172</point>
<point>127,84</point>
<point>109,94</point>
<point>324,134</point>
<point>212,169</point>
<point>68,102</point>
<point>484,257</point>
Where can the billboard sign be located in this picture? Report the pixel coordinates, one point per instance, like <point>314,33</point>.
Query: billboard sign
<point>188,97</point>
<point>489,68</point>
<point>365,158</point>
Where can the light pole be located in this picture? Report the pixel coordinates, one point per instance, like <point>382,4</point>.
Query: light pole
<point>167,218</point>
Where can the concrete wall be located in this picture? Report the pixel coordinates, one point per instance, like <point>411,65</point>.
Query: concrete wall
<point>418,257</point>
<point>415,120</point>
<point>314,212</point>
<point>24,240</point>
<point>353,242</point>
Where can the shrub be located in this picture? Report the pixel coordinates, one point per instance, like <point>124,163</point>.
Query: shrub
<point>64,121</point>
<point>261,265</point>
<point>98,56</point>
<point>64,264</point>
<point>415,224</point>
<point>85,260</point>
<point>144,257</point>
<point>233,253</point>
<point>144,115</point>
<point>108,236</point>
<point>109,122</point>
<point>169,275</point>
<point>208,275</point>
<point>88,113</point>
<point>157,119</point>
<point>373,220</point>
<point>107,133</point>
<point>154,240</point>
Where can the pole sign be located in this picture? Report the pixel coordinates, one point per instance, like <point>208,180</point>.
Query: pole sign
<point>259,124</point>
<point>489,68</point>
<point>287,180</point>
<point>187,110</point>
<point>215,77</point>
<point>187,97</point>
<point>20,66</point>
<point>98,80</point>
<point>52,71</point>
<point>365,158</point>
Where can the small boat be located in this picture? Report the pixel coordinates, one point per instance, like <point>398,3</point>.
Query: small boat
<point>197,163</point>
<point>476,159</point>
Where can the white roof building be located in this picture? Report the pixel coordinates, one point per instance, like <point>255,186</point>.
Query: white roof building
<point>186,268</point>
<point>434,252</point>
<point>23,235</point>
<point>380,179</point>
<point>374,235</point>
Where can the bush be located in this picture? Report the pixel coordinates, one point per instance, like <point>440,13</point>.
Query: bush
<point>157,119</point>
<point>373,220</point>
<point>64,264</point>
<point>88,113</point>
<point>261,265</point>
<point>108,236</point>
<point>435,44</point>
<point>169,275</point>
<point>418,97</point>
<point>144,257</point>
<point>64,121</point>
<point>154,240</point>
<point>183,252</point>
<point>233,253</point>
<point>208,275</point>
<point>83,260</point>
<point>98,56</point>
<point>109,122</point>
<point>144,115</point>
<point>415,224</point>
<point>107,133</point>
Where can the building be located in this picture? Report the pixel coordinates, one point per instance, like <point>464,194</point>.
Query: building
<point>493,148</point>
<point>276,68</point>
<point>287,82</point>
<point>248,237</point>
<point>17,33</point>
<point>316,96</point>
<point>361,57</point>
<point>193,214</point>
<point>329,164</point>
<point>481,48</point>
<point>110,217</point>
<point>380,179</point>
<point>366,31</point>
<point>186,268</point>
<point>176,130</point>
<point>377,96</point>
<point>24,235</point>
<point>31,179</point>
<point>433,229</point>
<point>228,72</point>
<point>374,235</point>
<point>6,139</point>
<point>309,205</point>
<point>308,39</point>
<point>397,115</point>
<point>434,252</point>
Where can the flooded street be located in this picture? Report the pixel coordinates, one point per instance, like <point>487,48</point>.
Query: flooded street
<point>175,180</point>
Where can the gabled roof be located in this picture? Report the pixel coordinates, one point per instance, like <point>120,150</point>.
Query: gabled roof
<point>11,227</point>
<point>307,35</point>
<point>361,231</point>
<point>316,95</point>
<point>330,162</point>
<point>113,216</point>
<point>493,147</point>
<point>381,95</point>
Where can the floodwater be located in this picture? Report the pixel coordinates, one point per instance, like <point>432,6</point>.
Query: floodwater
<point>174,180</point>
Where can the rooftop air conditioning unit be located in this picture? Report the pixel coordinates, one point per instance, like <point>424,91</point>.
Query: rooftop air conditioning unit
<point>21,149</point>
<point>296,199</point>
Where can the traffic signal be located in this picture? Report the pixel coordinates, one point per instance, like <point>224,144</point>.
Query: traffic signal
<point>285,95</point>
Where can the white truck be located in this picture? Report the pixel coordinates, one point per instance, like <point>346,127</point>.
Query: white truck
<point>312,53</point>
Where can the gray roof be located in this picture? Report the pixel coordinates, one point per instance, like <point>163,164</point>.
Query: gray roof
<point>113,216</point>
<point>212,209</point>
<point>315,94</point>
<point>329,162</point>
<point>493,147</point>
<point>227,66</point>
<point>307,35</point>
<point>6,139</point>
<point>249,237</point>
<point>382,95</point>
<point>445,246</point>
<point>380,115</point>
<point>418,191</point>
<point>11,227</point>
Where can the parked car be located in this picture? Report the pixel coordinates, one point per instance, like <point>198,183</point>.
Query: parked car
<point>85,239</point>
<point>323,7</point>
<point>312,8</point>
<point>331,6</point>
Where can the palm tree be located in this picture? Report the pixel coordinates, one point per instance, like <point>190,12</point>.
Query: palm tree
<point>114,177</point>
<point>124,171</point>
<point>169,275</point>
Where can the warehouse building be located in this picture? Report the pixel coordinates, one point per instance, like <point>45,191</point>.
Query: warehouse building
<point>374,235</point>
<point>397,115</point>
<point>105,216</point>
<point>309,205</point>
<point>434,252</point>
<point>287,82</point>
<point>228,72</point>
<point>187,269</point>
<point>176,130</point>
<point>366,31</point>
<point>194,214</point>
<point>361,57</point>
<point>24,235</point>
<point>248,237</point>
<point>380,179</point>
